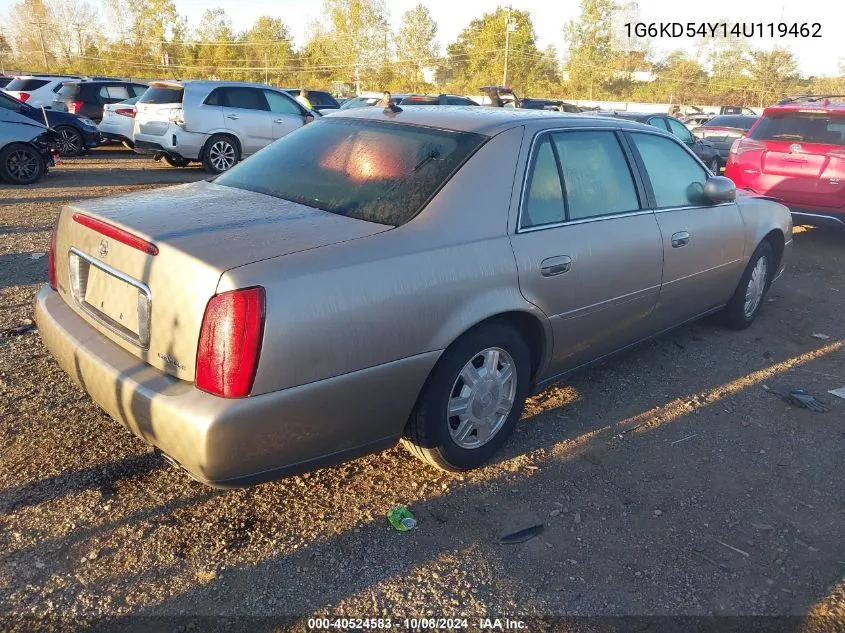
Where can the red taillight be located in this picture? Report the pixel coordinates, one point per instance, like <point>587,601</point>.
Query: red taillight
<point>130,112</point>
<point>230,342</point>
<point>744,144</point>
<point>51,258</point>
<point>23,96</point>
<point>74,107</point>
<point>124,237</point>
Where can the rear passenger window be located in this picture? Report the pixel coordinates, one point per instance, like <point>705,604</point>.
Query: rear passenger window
<point>676,177</point>
<point>138,89</point>
<point>544,200</point>
<point>596,175</point>
<point>115,92</point>
<point>246,99</point>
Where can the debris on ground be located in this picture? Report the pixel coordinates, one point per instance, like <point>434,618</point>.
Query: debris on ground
<point>821,337</point>
<point>520,536</point>
<point>36,255</point>
<point>799,398</point>
<point>25,328</point>
<point>401,518</point>
<point>839,393</point>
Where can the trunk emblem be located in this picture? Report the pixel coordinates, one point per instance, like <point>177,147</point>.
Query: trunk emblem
<point>104,248</point>
<point>795,147</point>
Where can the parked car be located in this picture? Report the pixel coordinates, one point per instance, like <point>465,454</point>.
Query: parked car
<point>27,148</point>
<point>88,98</point>
<point>74,135</point>
<point>722,130</point>
<point>321,100</point>
<point>796,152</point>
<point>704,149</point>
<point>555,105</point>
<point>376,275</point>
<point>37,90</point>
<point>453,100</point>
<point>737,110</point>
<point>215,122</point>
<point>695,120</point>
<point>369,100</point>
<point>118,122</point>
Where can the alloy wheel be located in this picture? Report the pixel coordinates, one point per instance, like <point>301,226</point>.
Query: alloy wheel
<point>69,142</point>
<point>482,397</point>
<point>22,164</point>
<point>756,286</point>
<point>222,155</point>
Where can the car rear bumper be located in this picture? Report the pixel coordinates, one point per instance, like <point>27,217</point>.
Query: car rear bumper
<point>818,217</point>
<point>235,442</point>
<point>175,142</point>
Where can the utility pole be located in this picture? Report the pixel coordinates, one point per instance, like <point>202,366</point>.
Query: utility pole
<point>266,68</point>
<point>508,29</point>
<point>78,28</point>
<point>40,26</point>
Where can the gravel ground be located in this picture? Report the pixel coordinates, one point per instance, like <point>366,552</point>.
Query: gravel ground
<point>667,480</point>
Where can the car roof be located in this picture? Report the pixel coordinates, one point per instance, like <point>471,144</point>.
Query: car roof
<point>207,83</point>
<point>480,119</point>
<point>822,106</point>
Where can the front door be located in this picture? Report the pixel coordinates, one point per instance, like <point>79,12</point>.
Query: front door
<point>288,115</point>
<point>246,113</point>
<point>588,251</point>
<point>703,243</point>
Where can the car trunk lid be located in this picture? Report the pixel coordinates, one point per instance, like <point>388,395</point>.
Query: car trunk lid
<point>157,107</point>
<point>140,269</point>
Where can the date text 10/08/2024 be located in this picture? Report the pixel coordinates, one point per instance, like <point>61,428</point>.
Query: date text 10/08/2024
<point>415,624</point>
<point>721,29</point>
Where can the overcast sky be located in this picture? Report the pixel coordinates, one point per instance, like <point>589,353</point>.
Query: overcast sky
<point>816,56</point>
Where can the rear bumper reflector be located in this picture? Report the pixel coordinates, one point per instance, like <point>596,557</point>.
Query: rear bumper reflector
<point>108,230</point>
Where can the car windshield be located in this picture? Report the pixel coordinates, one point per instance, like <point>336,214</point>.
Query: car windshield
<point>24,84</point>
<point>742,122</point>
<point>373,171</point>
<point>359,102</point>
<point>162,94</point>
<point>804,127</point>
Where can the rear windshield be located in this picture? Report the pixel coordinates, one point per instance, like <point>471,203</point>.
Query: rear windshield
<point>802,127</point>
<point>373,171</point>
<point>157,94</point>
<point>742,122</point>
<point>69,90</point>
<point>421,100</point>
<point>23,85</point>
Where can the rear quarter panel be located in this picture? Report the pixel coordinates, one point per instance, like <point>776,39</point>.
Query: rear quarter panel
<point>762,217</point>
<point>403,292</point>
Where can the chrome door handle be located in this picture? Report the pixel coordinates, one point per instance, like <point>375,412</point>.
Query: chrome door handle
<point>278,120</point>
<point>234,117</point>
<point>679,239</point>
<point>555,265</point>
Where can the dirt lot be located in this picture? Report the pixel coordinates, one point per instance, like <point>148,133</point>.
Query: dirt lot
<point>668,480</point>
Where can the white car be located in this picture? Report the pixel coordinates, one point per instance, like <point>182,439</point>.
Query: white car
<point>37,90</point>
<point>118,122</point>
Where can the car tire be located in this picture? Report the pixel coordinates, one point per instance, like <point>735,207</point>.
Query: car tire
<point>176,162</point>
<point>21,164</point>
<point>456,442</point>
<point>221,154</point>
<point>745,304</point>
<point>70,142</point>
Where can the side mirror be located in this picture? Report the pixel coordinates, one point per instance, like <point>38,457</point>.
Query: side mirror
<point>309,116</point>
<point>719,189</point>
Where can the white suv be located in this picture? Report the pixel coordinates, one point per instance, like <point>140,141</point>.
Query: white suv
<point>37,90</point>
<point>215,122</point>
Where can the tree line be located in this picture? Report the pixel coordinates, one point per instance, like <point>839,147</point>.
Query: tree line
<point>353,48</point>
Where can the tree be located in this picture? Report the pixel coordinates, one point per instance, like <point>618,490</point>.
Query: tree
<point>215,38</point>
<point>74,25</point>
<point>144,28</point>
<point>772,73</point>
<point>416,47</point>
<point>27,20</point>
<point>359,34</point>
<point>268,44</point>
<point>477,57</point>
<point>590,59</point>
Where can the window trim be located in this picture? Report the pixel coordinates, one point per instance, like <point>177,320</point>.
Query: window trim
<point>256,89</point>
<point>652,201</point>
<point>633,168</point>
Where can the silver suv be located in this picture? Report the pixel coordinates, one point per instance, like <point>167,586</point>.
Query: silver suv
<point>215,122</point>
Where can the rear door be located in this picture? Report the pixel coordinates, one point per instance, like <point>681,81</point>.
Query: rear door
<point>703,244</point>
<point>589,253</point>
<point>802,159</point>
<point>288,115</point>
<point>247,113</point>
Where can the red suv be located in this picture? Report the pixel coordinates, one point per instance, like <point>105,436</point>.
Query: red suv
<point>796,153</point>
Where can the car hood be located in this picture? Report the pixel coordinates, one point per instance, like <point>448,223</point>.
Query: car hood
<point>226,227</point>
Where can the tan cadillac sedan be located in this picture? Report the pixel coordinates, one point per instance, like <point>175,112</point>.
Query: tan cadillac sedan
<point>383,276</point>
